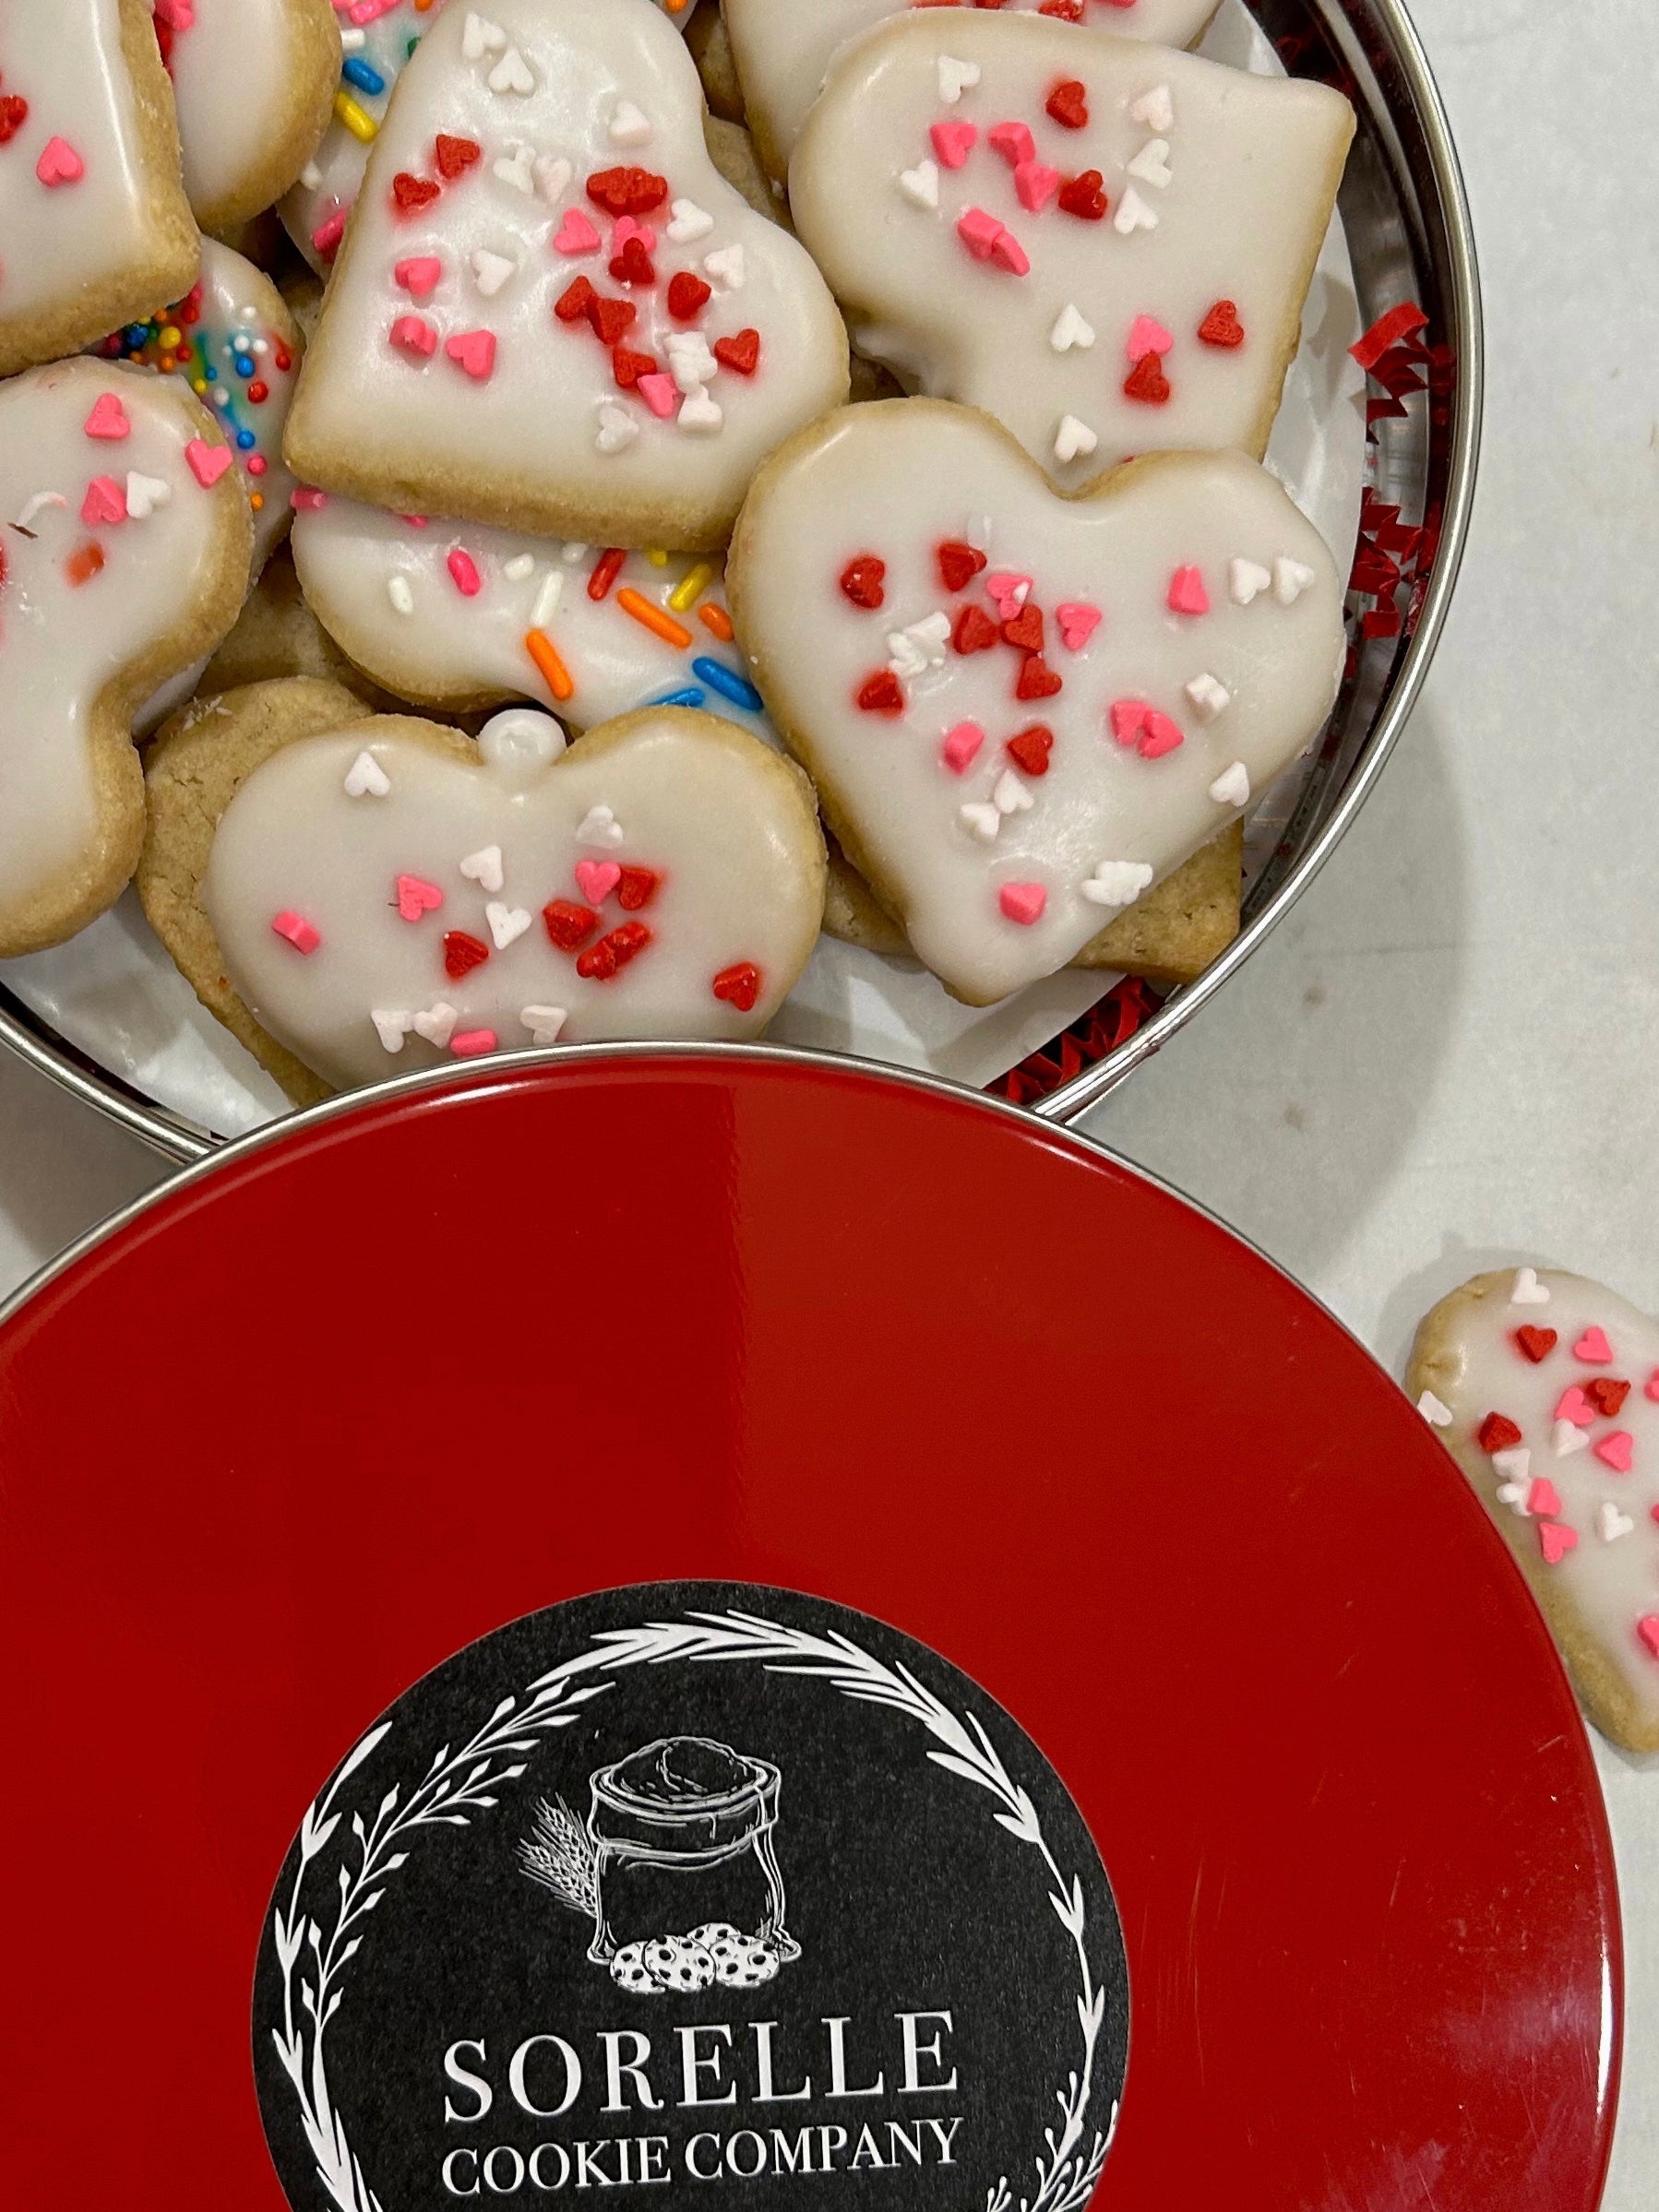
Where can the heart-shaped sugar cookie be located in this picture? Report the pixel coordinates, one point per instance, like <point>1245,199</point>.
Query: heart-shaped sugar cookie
<point>652,339</point>
<point>354,893</point>
<point>784,50</point>
<point>896,578</point>
<point>1562,1444</point>
<point>1105,245</point>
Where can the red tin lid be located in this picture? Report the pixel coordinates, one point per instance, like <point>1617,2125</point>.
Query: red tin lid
<point>320,1416</point>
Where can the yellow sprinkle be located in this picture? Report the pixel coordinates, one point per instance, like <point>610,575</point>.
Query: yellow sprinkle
<point>656,556</point>
<point>198,384</point>
<point>171,336</point>
<point>358,120</point>
<point>691,587</point>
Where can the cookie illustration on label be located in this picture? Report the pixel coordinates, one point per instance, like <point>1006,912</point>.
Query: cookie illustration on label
<point>550,312</point>
<point>352,894</point>
<point>1545,1389</point>
<point>254,82</point>
<point>232,340</point>
<point>1104,244</point>
<point>124,540</point>
<point>784,51</point>
<point>1023,712</point>
<point>93,217</point>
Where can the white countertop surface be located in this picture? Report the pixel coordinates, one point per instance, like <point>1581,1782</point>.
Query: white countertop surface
<point>1447,1058</point>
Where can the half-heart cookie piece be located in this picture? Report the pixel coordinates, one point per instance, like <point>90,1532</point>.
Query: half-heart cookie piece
<point>1021,710</point>
<point>551,312</point>
<point>354,894</point>
<point>1105,245</point>
<point>1545,1389</point>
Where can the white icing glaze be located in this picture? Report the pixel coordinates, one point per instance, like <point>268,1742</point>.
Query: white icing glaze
<point>730,836</point>
<point>62,643</point>
<point>233,321</point>
<point>783,49</point>
<point>532,425</point>
<point>232,63</point>
<point>895,479</point>
<point>1611,1574</point>
<point>1252,165</point>
<point>386,590</point>
<point>58,239</point>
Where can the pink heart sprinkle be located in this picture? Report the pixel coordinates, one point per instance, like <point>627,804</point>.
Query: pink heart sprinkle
<point>1187,592</point>
<point>1160,736</point>
<point>596,879</point>
<point>1022,903</point>
<point>472,1044</point>
<point>978,232</point>
<point>660,393</point>
<point>1129,720</point>
<point>417,897</point>
<point>1008,592</point>
<point>1650,1388</point>
<point>305,499</point>
<point>413,334</point>
<point>298,930</point>
<point>1147,336</point>
<point>1575,1406</point>
<point>1647,1630</point>
<point>207,463</point>
<point>1541,1499</point>
<point>625,228</point>
<point>960,746</point>
<point>464,569</point>
<point>475,350</point>
<point>1617,1451</point>
<point>328,235</point>
<point>1007,253</point>
<point>108,418</point>
<point>576,234</point>
<point>59,163</point>
<point>105,501</point>
<point>1594,1349</point>
<point>1036,184</point>
<point>419,277</point>
<point>1555,1542</point>
<point>1078,621</point>
<point>953,142</point>
<point>1013,141</point>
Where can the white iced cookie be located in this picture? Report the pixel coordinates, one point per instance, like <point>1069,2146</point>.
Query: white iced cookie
<point>550,312</point>
<point>1544,1388</point>
<point>232,340</point>
<point>377,36</point>
<point>1023,711</point>
<point>1105,245</point>
<point>253,81</point>
<point>357,895</point>
<point>94,225</point>
<point>124,557</point>
<point>784,50</point>
<point>459,615</point>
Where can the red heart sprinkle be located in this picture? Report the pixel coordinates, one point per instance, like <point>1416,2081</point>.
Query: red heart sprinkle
<point>612,319</point>
<point>14,114</point>
<point>861,580</point>
<point>1536,1343</point>
<point>463,953</point>
<point>1147,381</point>
<point>1069,11</point>
<point>636,887</point>
<point>881,693</point>
<point>687,295</point>
<point>627,367</point>
<point>454,154</point>
<point>84,563</point>
<point>572,304</point>
<point>740,352</point>
<point>633,265</point>
<point>1031,747</point>
<point>958,563</point>
<point>628,191</point>
<point>1081,196</point>
<point>1606,1395</point>
<point>974,631</point>
<point>567,924</point>
<point>739,986</point>
<point>1222,327</point>
<point>1068,103</point>
<point>1025,631</point>
<point>413,192</point>
<point>1037,680</point>
<point>601,961</point>
<point>1498,1432</point>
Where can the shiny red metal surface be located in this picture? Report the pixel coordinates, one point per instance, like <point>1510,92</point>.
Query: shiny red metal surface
<point>312,1421</point>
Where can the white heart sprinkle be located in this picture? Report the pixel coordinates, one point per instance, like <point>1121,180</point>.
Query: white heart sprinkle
<point>1207,697</point>
<point>1232,787</point>
<point>353,41</point>
<point>1133,214</point>
<point>1527,1289</point>
<point>1071,329</point>
<point>573,553</point>
<point>1612,1523</point>
<point>690,362</point>
<point>518,567</point>
<point>547,599</point>
<point>1073,438</point>
<point>1514,1496</point>
<point>700,415</point>
<point>437,1024</point>
<point>726,265</point>
<point>393,1027</point>
<point>904,657</point>
<point>1010,796</point>
<point>1247,580</point>
<point>1291,579</point>
<point>1155,108</point>
<point>1567,1438</point>
<point>599,825</point>
<point>689,221</point>
<point>365,778</point>
<point>616,428</point>
<point>544,1023</point>
<point>401,593</point>
<point>920,185</point>
<point>480,36</point>
<point>984,821</point>
<point>628,125</point>
<point>484,868</point>
<point>956,78</point>
<point>920,646</point>
<point>145,495</point>
<point>1437,1414</point>
<point>1152,163</point>
<point>491,271</point>
<point>512,73</point>
<point>506,924</point>
<point>1117,883</point>
<point>1515,1465</point>
<point>553,173</point>
<point>517,169</point>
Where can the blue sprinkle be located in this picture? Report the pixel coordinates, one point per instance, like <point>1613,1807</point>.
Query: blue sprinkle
<point>139,334</point>
<point>690,697</point>
<point>246,440</point>
<point>729,683</point>
<point>209,376</point>
<point>244,369</point>
<point>360,74</point>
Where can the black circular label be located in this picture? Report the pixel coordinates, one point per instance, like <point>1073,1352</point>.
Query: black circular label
<point>697,1887</point>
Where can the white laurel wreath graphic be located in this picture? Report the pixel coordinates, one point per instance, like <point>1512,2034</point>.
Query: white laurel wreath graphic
<point>455,1787</point>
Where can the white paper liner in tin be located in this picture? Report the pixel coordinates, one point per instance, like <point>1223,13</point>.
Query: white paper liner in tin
<point>115,995</point>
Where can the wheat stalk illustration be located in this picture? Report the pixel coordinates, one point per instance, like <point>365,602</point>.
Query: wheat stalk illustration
<point>560,1855</point>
